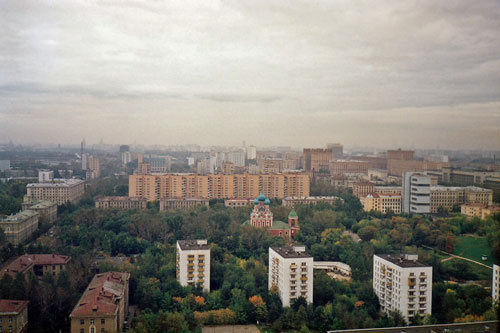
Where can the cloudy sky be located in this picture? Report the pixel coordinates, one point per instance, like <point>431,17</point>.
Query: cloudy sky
<point>300,73</point>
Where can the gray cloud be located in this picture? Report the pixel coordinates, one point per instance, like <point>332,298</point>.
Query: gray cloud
<point>251,68</point>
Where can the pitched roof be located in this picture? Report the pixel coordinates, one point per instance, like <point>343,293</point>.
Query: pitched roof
<point>21,264</point>
<point>48,259</point>
<point>12,306</point>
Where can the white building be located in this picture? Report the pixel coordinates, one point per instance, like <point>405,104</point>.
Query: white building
<point>252,153</point>
<point>45,176</point>
<point>236,157</point>
<point>403,284</point>
<point>291,273</point>
<point>416,193</point>
<point>495,283</point>
<point>193,263</point>
<point>126,157</point>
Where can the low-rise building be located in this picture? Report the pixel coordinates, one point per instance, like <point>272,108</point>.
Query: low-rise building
<point>13,316</point>
<point>121,202</point>
<point>334,269</point>
<point>20,227</point>
<point>103,306</point>
<point>166,204</point>
<point>403,284</point>
<point>39,264</point>
<point>382,203</point>
<point>193,263</point>
<point>234,203</point>
<point>59,191</point>
<point>46,209</point>
<point>450,196</point>
<point>362,189</point>
<point>291,273</point>
<point>389,190</point>
<point>292,201</point>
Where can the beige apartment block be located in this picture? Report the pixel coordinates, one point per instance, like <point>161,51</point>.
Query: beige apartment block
<point>382,203</point>
<point>19,228</point>
<point>121,203</point>
<point>59,191</point>
<point>13,316</point>
<point>46,209</point>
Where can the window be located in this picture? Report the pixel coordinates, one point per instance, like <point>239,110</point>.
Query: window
<point>10,319</point>
<point>103,321</point>
<point>102,330</point>
<point>82,321</point>
<point>91,321</point>
<point>82,330</point>
<point>92,330</point>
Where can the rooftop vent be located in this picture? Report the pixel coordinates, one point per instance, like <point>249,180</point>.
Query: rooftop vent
<point>412,257</point>
<point>299,249</point>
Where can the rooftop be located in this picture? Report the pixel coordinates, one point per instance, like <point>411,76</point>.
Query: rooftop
<point>291,252</point>
<point>193,244</point>
<point>42,204</point>
<point>123,198</point>
<point>12,306</point>
<point>20,216</point>
<point>18,265</point>
<point>58,183</point>
<point>48,259</point>
<point>403,260</point>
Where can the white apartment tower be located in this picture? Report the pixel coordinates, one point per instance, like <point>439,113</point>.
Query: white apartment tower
<point>495,284</point>
<point>193,263</point>
<point>403,284</point>
<point>416,193</point>
<point>291,273</point>
<point>45,176</point>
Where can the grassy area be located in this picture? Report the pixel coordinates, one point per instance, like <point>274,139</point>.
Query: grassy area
<point>473,247</point>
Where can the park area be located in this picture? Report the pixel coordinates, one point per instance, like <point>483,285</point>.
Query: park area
<point>474,247</point>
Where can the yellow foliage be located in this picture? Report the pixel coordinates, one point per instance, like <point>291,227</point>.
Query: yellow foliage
<point>199,300</point>
<point>469,318</point>
<point>177,299</point>
<point>216,317</point>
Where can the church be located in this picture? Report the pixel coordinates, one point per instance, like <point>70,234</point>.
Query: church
<point>262,217</point>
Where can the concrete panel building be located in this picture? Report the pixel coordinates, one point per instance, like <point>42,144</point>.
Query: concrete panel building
<point>403,284</point>
<point>291,273</point>
<point>193,263</point>
<point>18,228</point>
<point>416,193</point>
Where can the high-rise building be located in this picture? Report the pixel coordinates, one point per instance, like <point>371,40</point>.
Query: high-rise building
<point>495,284</point>
<point>104,304</point>
<point>291,273</point>
<point>93,167</point>
<point>59,191</point>
<point>13,315</point>
<point>416,193</point>
<point>403,284</point>
<point>85,161</point>
<point>236,157</point>
<point>337,150</point>
<point>126,157</point>
<point>252,153</point>
<point>400,154</point>
<point>45,176</point>
<point>193,263</point>
<point>316,159</point>
<point>174,186</point>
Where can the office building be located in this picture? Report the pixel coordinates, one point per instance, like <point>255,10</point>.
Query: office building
<point>416,193</point>
<point>166,204</point>
<point>104,304</point>
<point>4,165</point>
<point>403,284</point>
<point>46,209</point>
<point>291,273</point>
<point>20,227</point>
<point>383,203</point>
<point>193,263</point>
<point>59,191</point>
<point>121,203</point>
<point>316,159</point>
<point>219,186</point>
<point>292,201</point>
<point>495,284</point>
<point>13,316</point>
<point>45,176</point>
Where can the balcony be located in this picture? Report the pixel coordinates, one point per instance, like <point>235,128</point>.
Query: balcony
<point>304,278</point>
<point>201,269</point>
<point>201,264</point>
<point>412,281</point>
<point>190,264</point>
<point>293,266</point>
<point>190,276</point>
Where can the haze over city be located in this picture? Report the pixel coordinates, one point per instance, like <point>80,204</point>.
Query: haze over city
<point>413,74</point>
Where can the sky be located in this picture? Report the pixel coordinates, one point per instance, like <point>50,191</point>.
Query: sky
<point>412,74</point>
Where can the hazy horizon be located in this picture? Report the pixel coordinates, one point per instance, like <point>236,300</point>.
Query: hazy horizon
<point>420,74</point>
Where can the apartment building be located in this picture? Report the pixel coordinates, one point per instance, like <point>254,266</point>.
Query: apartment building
<point>121,203</point>
<point>93,167</point>
<point>478,209</point>
<point>193,263</point>
<point>402,283</point>
<point>343,167</point>
<point>39,264</point>
<point>316,159</point>
<point>18,228</point>
<point>291,273</point>
<point>382,203</point>
<point>399,154</point>
<point>495,284</point>
<point>174,186</point>
<point>103,306</point>
<point>450,196</point>
<point>416,193</point>
<point>13,316</point>
<point>59,191</point>
<point>292,201</point>
<point>166,204</point>
<point>46,209</point>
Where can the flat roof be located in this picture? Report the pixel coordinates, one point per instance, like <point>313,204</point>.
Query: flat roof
<point>122,198</point>
<point>22,215</point>
<point>58,183</point>
<point>42,204</point>
<point>193,244</point>
<point>399,260</point>
<point>290,252</point>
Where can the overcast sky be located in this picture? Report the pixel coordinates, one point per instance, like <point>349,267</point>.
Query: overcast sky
<point>364,73</point>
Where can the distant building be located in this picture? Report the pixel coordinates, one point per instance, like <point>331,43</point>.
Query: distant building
<point>416,193</point>
<point>362,189</point>
<point>292,201</point>
<point>233,203</point>
<point>449,197</point>
<point>334,269</point>
<point>337,150</point>
<point>39,264</point>
<point>316,159</point>
<point>104,304</point>
<point>227,168</point>
<point>13,316</point>
<point>291,273</point>
<point>382,203</point>
<point>4,165</point>
<point>45,176</point>
<point>166,204</point>
<point>377,174</point>
<point>399,154</point>
<point>190,161</point>
<point>20,227</point>
<point>495,284</point>
<point>159,164</point>
<point>478,209</point>
<point>93,167</point>
<point>59,191</point>
<point>403,284</point>
<point>397,167</point>
<point>126,157</point>
<point>345,167</point>
<point>121,202</point>
<point>389,190</point>
<point>339,181</point>
<point>236,157</point>
<point>251,153</point>
<point>469,177</point>
<point>46,209</point>
<point>193,263</point>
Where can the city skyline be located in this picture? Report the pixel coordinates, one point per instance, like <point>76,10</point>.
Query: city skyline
<point>411,74</point>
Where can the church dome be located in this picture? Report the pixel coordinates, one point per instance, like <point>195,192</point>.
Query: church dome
<point>256,201</point>
<point>267,202</point>
<point>293,214</point>
<point>262,197</point>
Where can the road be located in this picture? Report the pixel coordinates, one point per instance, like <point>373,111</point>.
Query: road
<point>458,257</point>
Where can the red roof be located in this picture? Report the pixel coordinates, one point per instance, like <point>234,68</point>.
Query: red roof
<point>49,259</point>
<point>12,306</point>
<point>102,295</point>
<point>24,263</point>
<point>21,264</point>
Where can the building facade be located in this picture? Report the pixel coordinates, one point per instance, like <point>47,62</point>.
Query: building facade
<point>291,273</point>
<point>13,316</point>
<point>416,193</point>
<point>121,203</point>
<point>219,186</point>
<point>292,201</point>
<point>383,203</point>
<point>166,204</point>
<point>19,228</point>
<point>495,284</point>
<point>39,264</point>
<point>316,159</point>
<point>477,209</point>
<point>399,154</point>
<point>59,191</point>
<point>344,167</point>
<point>362,189</point>
<point>449,197</point>
<point>45,175</point>
<point>403,284</point>
<point>93,168</point>
<point>103,306</point>
<point>193,263</point>
<point>234,203</point>
<point>46,209</point>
